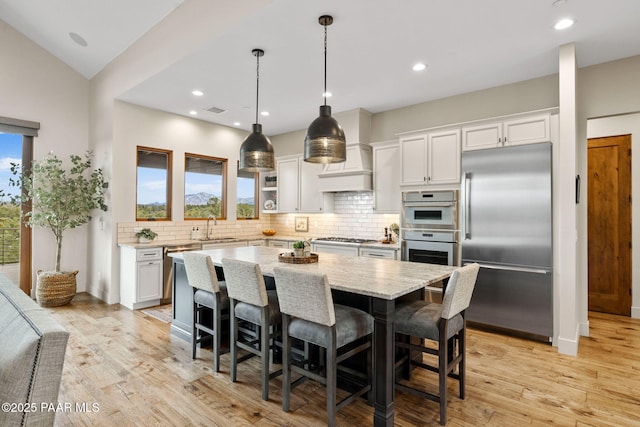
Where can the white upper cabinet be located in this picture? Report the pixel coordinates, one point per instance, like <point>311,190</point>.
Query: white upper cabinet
<point>298,187</point>
<point>488,135</point>
<point>443,157</point>
<point>289,185</point>
<point>311,199</point>
<point>386,177</point>
<point>523,130</point>
<point>527,130</point>
<point>413,154</point>
<point>431,158</point>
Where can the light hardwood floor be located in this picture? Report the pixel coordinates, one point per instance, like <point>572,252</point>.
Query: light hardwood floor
<point>128,364</point>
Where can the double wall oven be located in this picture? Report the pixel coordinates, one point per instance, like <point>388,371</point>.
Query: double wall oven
<point>429,227</point>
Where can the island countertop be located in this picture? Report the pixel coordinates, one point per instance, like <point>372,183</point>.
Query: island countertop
<point>379,278</point>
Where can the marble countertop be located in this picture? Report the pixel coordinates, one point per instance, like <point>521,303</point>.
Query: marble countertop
<point>380,278</point>
<point>160,244</point>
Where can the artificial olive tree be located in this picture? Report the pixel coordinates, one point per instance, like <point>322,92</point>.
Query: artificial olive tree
<point>62,196</point>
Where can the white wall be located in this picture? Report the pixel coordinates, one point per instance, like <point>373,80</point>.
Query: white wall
<point>162,46</point>
<point>608,89</point>
<point>36,86</point>
<point>623,125</point>
<point>528,95</point>
<point>139,126</point>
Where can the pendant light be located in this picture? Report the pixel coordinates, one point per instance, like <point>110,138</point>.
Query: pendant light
<point>256,151</point>
<point>325,141</point>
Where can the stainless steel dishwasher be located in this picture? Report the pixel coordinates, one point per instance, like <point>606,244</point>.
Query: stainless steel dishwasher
<point>167,270</point>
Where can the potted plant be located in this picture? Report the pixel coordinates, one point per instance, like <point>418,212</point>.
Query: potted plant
<point>62,197</point>
<point>396,229</point>
<point>298,248</point>
<point>146,235</point>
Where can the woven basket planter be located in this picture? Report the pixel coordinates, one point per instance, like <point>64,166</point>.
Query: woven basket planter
<point>54,289</point>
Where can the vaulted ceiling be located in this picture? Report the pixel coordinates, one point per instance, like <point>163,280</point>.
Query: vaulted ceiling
<point>467,45</point>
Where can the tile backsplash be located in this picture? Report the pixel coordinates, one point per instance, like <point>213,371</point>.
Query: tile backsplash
<point>353,217</point>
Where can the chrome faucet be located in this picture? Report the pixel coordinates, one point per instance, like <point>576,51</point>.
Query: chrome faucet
<point>215,222</point>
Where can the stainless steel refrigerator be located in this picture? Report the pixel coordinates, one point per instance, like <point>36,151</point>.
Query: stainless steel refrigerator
<point>506,222</point>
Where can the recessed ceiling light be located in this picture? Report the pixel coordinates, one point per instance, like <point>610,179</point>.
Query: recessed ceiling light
<point>193,112</point>
<point>236,123</point>
<point>419,67</point>
<point>78,39</point>
<point>264,113</point>
<point>563,24</point>
<point>327,94</point>
<point>198,92</point>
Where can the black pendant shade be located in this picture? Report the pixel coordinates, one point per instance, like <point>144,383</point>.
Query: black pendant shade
<point>256,151</point>
<point>325,141</point>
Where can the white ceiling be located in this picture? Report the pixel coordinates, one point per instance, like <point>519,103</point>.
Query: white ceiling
<point>468,45</point>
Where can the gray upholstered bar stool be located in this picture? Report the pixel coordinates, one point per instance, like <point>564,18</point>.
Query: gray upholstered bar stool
<point>308,314</point>
<point>443,323</point>
<point>250,301</point>
<point>208,294</point>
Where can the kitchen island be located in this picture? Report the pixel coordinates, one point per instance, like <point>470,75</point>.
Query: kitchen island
<point>383,281</point>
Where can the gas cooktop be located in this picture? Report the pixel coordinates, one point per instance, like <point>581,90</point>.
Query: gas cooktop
<point>343,240</point>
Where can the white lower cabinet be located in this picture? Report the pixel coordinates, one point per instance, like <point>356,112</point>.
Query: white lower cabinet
<point>140,277</point>
<point>257,242</point>
<point>335,249</point>
<point>379,253</point>
<point>149,275</point>
<point>279,244</point>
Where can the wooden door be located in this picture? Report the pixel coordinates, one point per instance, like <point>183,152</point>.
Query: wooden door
<point>609,224</point>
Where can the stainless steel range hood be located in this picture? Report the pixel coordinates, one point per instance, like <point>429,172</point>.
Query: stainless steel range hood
<point>356,173</point>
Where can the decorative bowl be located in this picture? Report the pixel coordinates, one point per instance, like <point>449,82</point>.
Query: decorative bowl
<point>269,232</point>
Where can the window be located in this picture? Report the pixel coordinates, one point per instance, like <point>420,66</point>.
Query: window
<point>247,193</point>
<point>153,192</point>
<point>205,187</point>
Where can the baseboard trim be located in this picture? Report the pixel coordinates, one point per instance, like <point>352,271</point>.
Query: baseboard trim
<point>635,312</point>
<point>583,328</point>
<point>569,346</point>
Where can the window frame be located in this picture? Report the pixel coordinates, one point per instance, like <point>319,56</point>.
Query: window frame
<point>169,154</point>
<point>256,195</point>
<point>225,180</point>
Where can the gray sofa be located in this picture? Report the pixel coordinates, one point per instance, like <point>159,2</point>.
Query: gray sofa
<point>32,348</point>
